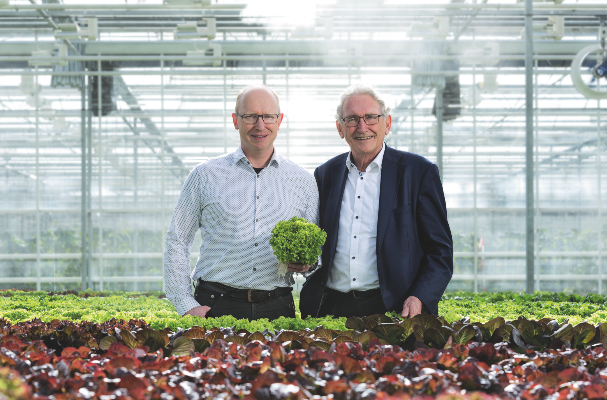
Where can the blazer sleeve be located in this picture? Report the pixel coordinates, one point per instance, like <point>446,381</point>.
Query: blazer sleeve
<point>436,265</point>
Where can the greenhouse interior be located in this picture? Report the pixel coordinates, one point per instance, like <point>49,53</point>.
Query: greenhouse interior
<point>107,106</point>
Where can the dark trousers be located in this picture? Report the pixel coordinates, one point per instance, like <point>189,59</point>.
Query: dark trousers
<point>223,304</point>
<point>352,304</point>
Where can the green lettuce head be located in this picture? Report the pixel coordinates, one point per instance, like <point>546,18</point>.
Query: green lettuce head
<point>297,241</point>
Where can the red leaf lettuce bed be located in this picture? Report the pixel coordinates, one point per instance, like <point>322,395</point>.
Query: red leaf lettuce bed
<point>376,358</point>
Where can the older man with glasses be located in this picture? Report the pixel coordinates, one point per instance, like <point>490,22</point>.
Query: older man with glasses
<point>236,200</point>
<point>389,245</point>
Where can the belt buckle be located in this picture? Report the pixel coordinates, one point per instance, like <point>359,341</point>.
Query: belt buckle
<point>258,296</point>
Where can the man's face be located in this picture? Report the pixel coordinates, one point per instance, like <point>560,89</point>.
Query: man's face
<point>363,139</point>
<point>257,138</point>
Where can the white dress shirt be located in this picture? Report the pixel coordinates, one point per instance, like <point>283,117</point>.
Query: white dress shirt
<point>355,263</point>
<point>235,210</point>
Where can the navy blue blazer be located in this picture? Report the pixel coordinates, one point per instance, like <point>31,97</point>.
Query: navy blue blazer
<point>414,244</point>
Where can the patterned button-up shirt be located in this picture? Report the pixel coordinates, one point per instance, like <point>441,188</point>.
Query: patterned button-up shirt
<point>235,210</point>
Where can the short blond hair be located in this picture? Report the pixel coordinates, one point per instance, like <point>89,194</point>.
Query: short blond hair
<point>247,88</point>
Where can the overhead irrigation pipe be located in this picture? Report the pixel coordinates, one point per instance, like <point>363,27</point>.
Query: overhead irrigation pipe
<point>460,6</point>
<point>345,59</point>
<point>129,7</point>
<point>139,6</point>
<point>498,9</point>
<point>249,71</point>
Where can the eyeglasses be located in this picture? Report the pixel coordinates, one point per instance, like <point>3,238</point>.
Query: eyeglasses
<point>252,118</point>
<point>370,119</point>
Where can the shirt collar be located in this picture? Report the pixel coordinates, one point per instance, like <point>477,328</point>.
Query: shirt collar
<point>377,161</point>
<point>239,155</point>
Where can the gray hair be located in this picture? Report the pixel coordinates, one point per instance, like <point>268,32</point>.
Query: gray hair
<point>247,88</point>
<point>360,89</point>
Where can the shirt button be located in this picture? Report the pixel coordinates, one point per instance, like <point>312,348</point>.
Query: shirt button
<point>353,279</point>
<point>254,269</point>
<point>361,178</point>
<point>354,237</point>
<point>256,220</point>
<point>257,196</point>
<point>357,217</point>
<point>353,258</point>
<point>359,197</point>
<point>255,244</point>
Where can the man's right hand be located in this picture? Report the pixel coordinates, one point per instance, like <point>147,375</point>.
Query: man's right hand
<point>199,311</point>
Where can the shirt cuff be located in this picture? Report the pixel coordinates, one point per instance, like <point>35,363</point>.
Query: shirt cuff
<point>184,304</point>
<point>314,267</point>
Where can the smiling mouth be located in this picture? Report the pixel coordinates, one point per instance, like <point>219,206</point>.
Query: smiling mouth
<point>259,136</point>
<point>364,138</point>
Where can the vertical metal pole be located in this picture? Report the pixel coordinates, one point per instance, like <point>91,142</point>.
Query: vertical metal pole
<point>162,166</point>
<point>439,132</point>
<point>598,172</point>
<point>412,107</point>
<point>89,186</point>
<point>135,201</point>
<point>83,184</point>
<point>530,228</point>
<point>536,172</point>
<point>263,63</point>
<point>349,64</point>
<point>99,178</point>
<point>474,178</point>
<point>598,168</point>
<point>288,107</point>
<point>225,104</point>
<point>38,241</point>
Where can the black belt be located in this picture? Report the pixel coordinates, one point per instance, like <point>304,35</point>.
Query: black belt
<point>250,295</point>
<point>359,294</point>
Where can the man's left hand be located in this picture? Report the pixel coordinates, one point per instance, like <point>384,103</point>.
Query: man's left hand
<point>298,268</point>
<point>412,307</point>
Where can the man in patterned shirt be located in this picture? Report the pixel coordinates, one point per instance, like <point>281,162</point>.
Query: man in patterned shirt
<point>236,200</point>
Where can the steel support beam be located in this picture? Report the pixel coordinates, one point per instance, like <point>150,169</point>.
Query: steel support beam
<point>83,191</point>
<point>89,183</point>
<point>530,209</point>
<point>129,98</point>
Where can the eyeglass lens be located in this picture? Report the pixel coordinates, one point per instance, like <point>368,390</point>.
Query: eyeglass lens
<point>252,118</point>
<point>370,119</point>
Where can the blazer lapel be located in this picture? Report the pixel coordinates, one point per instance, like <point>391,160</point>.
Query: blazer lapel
<point>388,188</point>
<point>338,184</point>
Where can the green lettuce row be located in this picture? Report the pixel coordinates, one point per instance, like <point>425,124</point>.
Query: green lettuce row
<point>556,297</point>
<point>86,293</point>
<point>160,314</point>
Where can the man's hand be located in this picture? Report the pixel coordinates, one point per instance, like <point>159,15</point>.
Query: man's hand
<point>298,268</point>
<point>199,311</point>
<point>412,307</point>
